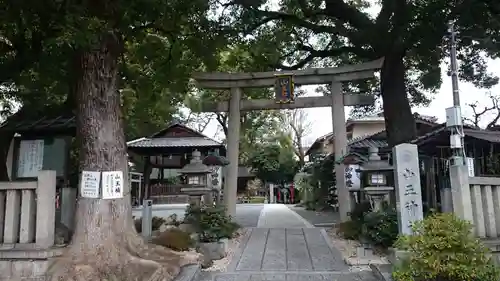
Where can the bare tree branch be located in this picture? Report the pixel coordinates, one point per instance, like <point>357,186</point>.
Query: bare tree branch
<point>297,125</point>
<point>477,114</point>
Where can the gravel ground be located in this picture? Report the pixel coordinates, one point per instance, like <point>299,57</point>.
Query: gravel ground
<point>222,264</point>
<point>348,248</point>
<point>316,218</point>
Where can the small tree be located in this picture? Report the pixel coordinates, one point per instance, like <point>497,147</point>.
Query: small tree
<point>273,163</point>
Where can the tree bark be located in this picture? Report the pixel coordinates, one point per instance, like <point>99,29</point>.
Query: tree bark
<point>399,121</point>
<point>105,245</point>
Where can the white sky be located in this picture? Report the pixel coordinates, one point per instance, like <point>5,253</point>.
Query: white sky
<point>321,118</point>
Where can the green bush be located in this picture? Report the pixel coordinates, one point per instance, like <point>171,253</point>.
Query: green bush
<point>443,248</point>
<point>349,230</point>
<point>156,223</point>
<point>352,229</point>
<point>174,239</point>
<point>211,223</point>
<point>360,210</point>
<point>230,229</point>
<point>381,228</point>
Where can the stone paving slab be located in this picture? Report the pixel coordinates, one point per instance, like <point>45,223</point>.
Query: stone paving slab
<point>286,249</point>
<point>295,276</point>
<point>280,216</point>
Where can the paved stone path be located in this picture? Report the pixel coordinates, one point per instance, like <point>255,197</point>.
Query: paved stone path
<point>285,247</point>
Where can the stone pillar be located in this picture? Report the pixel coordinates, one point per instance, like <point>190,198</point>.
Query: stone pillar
<point>271,193</point>
<point>446,200</point>
<point>68,207</point>
<point>407,186</point>
<point>460,192</point>
<point>233,142</point>
<point>46,209</point>
<point>340,135</point>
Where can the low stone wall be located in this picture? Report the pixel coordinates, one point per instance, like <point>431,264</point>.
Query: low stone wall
<point>30,265</point>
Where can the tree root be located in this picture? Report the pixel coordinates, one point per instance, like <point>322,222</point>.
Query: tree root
<point>133,261</point>
<point>125,268</point>
<point>137,247</point>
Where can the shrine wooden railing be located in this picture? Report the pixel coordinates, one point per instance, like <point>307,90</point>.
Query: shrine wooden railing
<point>27,213</point>
<point>485,201</point>
<point>168,194</point>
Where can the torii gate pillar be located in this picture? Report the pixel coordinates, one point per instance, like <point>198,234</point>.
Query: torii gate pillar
<point>340,144</point>
<point>233,150</point>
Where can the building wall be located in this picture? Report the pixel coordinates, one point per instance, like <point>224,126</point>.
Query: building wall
<point>10,158</point>
<point>364,129</point>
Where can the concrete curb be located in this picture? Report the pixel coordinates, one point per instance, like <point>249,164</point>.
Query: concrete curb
<point>237,254</point>
<point>382,272</point>
<point>303,220</point>
<point>332,247</point>
<point>189,273</point>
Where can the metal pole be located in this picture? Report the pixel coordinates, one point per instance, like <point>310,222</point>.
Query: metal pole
<point>453,64</point>
<point>457,128</point>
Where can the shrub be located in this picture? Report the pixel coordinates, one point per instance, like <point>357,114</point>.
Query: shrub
<point>173,220</point>
<point>174,239</point>
<point>360,210</point>
<point>192,214</point>
<point>352,229</point>
<point>229,229</point>
<point>381,228</point>
<point>443,249</point>
<point>211,223</point>
<point>156,223</point>
<point>349,230</point>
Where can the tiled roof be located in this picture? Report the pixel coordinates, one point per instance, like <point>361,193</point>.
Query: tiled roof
<point>491,136</point>
<point>56,118</point>
<point>174,142</point>
<point>370,140</point>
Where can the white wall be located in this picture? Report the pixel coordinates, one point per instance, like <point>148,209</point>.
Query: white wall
<point>10,158</point>
<point>363,129</point>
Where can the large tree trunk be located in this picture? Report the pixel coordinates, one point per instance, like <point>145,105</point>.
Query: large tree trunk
<point>105,245</point>
<point>399,121</point>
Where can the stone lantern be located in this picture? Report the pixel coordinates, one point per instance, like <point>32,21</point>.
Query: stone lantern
<point>377,179</point>
<point>197,176</point>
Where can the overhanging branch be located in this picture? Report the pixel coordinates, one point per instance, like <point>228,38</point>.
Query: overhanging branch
<point>313,53</point>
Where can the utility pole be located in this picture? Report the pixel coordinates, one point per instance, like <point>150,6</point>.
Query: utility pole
<point>454,114</point>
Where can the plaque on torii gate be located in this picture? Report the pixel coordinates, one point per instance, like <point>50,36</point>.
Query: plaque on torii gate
<point>285,99</point>
<point>284,88</point>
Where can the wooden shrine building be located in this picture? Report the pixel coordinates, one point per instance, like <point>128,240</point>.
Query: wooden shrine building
<point>164,154</point>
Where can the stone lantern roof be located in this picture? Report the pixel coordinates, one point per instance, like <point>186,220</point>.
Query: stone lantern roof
<point>196,165</point>
<point>375,163</point>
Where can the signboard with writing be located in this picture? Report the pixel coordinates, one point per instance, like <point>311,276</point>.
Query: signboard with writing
<point>352,180</point>
<point>90,184</point>
<point>112,185</point>
<point>408,189</point>
<point>284,88</point>
<point>216,177</point>
<point>30,159</point>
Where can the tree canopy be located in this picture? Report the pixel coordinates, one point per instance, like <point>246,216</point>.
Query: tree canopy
<point>275,161</point>
<point>410,35</point>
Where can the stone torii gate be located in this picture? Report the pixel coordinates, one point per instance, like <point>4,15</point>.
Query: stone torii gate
<point>334,76</point>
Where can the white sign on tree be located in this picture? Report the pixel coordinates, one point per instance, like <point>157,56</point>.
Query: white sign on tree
<point>30,159</point>
<point>90,184</point>
<point>112,185</point>
<point>408,189</point>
